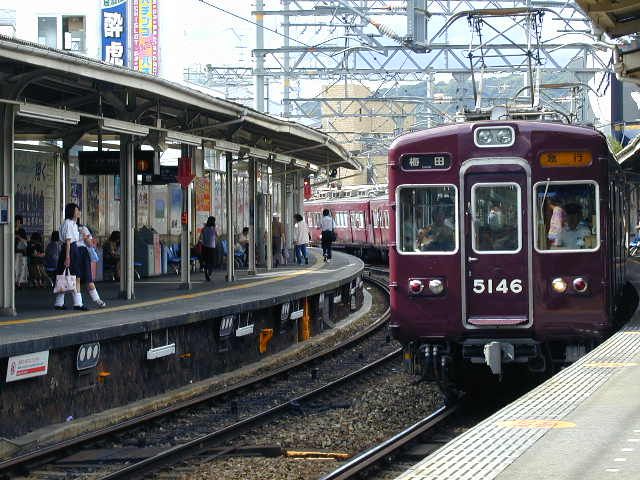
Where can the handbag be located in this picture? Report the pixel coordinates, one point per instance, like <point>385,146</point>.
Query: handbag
<point>65,282</point>
<point>334,236</point>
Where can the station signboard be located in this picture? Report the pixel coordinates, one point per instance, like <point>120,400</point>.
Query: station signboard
<point>108,162</point>
<point>114,32</point>
<point>167,175</point>
<point>27,366</point>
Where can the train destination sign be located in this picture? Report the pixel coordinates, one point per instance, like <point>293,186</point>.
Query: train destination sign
<point>426,161</point>
<point>565,159</point>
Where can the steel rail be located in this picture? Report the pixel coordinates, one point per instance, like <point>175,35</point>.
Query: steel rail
<point>43,455</point>
<point>366,459</point>
<point>201,444</point>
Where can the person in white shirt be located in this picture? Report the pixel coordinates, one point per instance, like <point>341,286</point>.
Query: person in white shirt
<point>300,239</point>
<point>327,226</point>
<point>573,234</point>
<point>71,256</point>
<point>90,256</point>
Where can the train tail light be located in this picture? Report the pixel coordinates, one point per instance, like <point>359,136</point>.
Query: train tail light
<point>436,286</point>
<point>559,285</point>
<point>416,286</point>
<point>580,285</point>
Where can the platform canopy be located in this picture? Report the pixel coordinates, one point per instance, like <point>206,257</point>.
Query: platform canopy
<point>618,18</point>
<point>90,94</point>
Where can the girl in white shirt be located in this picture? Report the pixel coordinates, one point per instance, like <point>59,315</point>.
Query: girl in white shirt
<point>300,239</point>
<point>89,255</point>
<point>70,256</point>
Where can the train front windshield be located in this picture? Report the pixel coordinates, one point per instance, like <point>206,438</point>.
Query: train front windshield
<point>428,221</point>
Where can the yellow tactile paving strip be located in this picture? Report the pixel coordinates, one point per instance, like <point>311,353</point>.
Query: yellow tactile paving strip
<point>165,300</point>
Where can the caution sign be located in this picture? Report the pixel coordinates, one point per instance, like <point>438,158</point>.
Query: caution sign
<point>27,366</point>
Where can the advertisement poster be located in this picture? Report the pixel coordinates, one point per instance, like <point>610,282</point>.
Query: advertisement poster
<point>90,216</point>
<point>143,205</point>
<point>34,191</point>
<point>145,36</point>
<point>114,32</point>
<point>76,194</point>
<point>175,197</point>
<point>27,366</point>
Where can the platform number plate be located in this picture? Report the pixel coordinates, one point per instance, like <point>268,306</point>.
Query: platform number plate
<point>502,285</point>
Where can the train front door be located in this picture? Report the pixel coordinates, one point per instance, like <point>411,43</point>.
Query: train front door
<point>496,246</point>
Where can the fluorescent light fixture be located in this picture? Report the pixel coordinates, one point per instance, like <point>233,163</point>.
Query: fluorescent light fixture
<point>258,153</point>
<point>314,168</point>
<point>227,146</point>
<point>50,114</point>
<point>126,128</point>
<point>185,138</point>
<point>162,351</point>
<point>299,163</point>
<point>282,159</point>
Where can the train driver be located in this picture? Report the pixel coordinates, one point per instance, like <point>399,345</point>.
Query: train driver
<point>573,235</point>
<point>439,235</point>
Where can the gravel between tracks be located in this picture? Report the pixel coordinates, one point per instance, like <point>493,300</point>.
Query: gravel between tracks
<point>375,409</point>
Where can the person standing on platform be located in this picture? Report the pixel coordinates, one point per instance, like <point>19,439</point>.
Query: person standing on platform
<point>327,226</point>
<point>71,256</point>
<point>52,252</point>
<point>300,239</point>
<point>277,238</point>
<point>244,241</point>
<point>90,256</point>
<point>209,238</point>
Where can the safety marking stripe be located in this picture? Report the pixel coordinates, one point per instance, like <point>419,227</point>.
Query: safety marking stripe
<point>150,303</point>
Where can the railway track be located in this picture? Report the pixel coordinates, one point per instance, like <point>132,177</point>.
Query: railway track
<point>196,426</point>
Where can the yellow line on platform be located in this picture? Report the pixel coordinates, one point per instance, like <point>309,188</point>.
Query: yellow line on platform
<point>150,303</point>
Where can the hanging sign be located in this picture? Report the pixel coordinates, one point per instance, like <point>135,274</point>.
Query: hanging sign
<point>145,36</point>
<point>114,32</point>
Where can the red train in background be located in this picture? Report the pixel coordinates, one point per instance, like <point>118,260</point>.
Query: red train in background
<point>362,219</point>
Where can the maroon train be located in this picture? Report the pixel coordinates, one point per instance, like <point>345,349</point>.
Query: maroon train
<point>507,245</point>
<point>362,224</point>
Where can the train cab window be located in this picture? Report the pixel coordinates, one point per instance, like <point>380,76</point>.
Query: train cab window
<point>427,220</point>
<point>567,216</point>
<point>496,211</point>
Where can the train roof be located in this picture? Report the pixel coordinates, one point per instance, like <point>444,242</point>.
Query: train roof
<point>524,126</point>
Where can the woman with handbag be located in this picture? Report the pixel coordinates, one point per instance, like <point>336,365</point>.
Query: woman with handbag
<point>70,264</point>
<point>327,226</point>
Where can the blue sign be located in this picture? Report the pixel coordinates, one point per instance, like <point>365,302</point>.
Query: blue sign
<point>114,32</point>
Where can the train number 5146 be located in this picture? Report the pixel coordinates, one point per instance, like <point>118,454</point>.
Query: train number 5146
<point>497,286</point>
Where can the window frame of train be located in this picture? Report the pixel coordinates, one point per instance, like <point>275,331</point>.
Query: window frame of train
<point>545,184</point>
<point>400,222</point>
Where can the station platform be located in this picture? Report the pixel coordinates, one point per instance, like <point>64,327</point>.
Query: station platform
<point>583,423</point>
<point>161,303</point>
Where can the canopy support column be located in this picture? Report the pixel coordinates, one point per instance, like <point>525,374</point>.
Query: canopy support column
<point>127,221</point>
<point>185,249</point>
<point>252,216</point>
<point>7,188</point>
<point>230,218</point>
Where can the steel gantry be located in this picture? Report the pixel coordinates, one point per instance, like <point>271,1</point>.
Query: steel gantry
<point>416,63</point>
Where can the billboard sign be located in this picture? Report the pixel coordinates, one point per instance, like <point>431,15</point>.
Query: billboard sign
<point>145,36</point>
<point>114,32</point>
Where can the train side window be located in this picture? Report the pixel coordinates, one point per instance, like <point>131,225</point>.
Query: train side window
<point>496,218</point>
<point>567,216</point>
<point>427,219</point>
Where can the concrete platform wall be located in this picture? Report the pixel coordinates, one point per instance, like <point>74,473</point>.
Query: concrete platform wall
<point>123,373</point>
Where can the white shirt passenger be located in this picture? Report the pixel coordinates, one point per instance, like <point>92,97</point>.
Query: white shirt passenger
<point>326,223</point>
<point>300,233</point>
<point>69,231</point>
<point>572,239</point>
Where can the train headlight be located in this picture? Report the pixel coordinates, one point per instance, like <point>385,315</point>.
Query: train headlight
<point>436,286</point>
<point>559,285</point>
<point>494,137</point>
<point>416,286</point>
<point>580,285</point>
<point>504,136</point>
<point>484,137</point>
